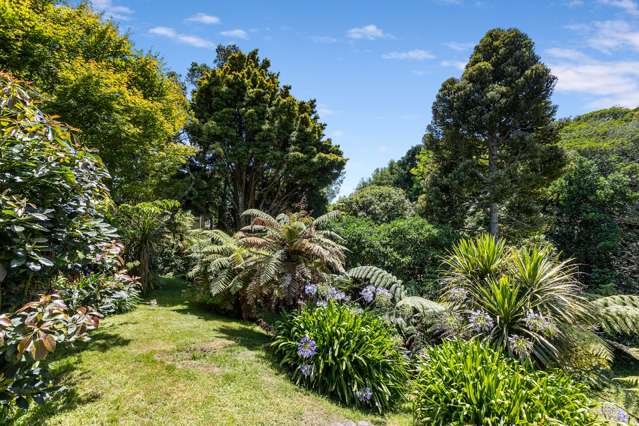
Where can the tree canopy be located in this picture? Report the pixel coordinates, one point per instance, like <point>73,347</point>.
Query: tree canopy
<point>492,141</point>
<point>122,101</point>
<point>256,142</point>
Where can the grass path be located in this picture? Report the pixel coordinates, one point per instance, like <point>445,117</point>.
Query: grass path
<point>171,363</point>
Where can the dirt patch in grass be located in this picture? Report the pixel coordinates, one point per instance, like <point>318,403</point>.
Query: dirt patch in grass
<point>194,356</point>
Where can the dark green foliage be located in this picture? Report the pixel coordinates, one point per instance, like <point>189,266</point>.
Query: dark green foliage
<point>492,142</point>
<point>52,196</point>
<point>144,227</point>
<point>585,205</point>
<point>27,337</point>
<point>258,146</point>
<point>594,207</point>
<point>354,351</point>
<point>409,248</point>
<point>398,174</point>
<point>378,203</point>
<point>460,383</point>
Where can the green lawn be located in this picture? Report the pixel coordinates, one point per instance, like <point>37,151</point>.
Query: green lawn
<point>176,364</point>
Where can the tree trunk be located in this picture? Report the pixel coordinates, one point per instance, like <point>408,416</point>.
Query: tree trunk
<point>492,171</point>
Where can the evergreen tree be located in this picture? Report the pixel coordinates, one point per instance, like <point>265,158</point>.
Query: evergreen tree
<point>258,146</point>
<point>492,142</point>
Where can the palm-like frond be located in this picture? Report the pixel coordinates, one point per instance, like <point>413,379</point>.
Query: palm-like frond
<point>618,314</point>
<point>379,278</point>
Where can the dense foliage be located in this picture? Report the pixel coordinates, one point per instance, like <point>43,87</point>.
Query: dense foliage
<point>398,174</point>
<point>258,146</point>
<point>410,248</point>
<point>123,102</point>
<point>52,196</point>
<point>460,383</point>
<point>350,356</point>
<point>377,203</point>
<point>492,143</point>
<point>269,260</point>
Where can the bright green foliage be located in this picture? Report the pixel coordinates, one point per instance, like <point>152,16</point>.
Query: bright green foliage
<point>52,196</point>
<point>409,248</point>
<point>143,228</point>
<point>27,337</point>
<point>524,301</point>
<point>460,383</point>
<point>354,351</point>
<point>378,203</point>
<point>586,205</point>
<point>261,147</point>
<point>492,143</point>
<point>121,100</point>
<point>398,174</point>
<point>600,131</point>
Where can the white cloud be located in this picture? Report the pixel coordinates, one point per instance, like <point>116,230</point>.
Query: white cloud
<point>454,64</point>
<point>460,47</point>
<point>111,10</point>
<point>183,38</point>
<point>575,3</point>
<point>608,83</point>
<point>412,55</point>
<point>561,53</point>
<point>629,6</point>
<point>612,35</point>
<point>324,39</point>
<point>369,32</point>
<point>237,33</point>
<point>203,18</point>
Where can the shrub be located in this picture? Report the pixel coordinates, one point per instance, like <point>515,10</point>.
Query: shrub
<point>108,294</point>
<point>350,356</point>
<point>26,339</point>
<point>52,196</point>
<point>409,248</point>
<point>461,383</point>
<point>377,203</point>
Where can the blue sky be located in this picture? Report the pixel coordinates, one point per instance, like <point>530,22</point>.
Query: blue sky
<point>375,66</point>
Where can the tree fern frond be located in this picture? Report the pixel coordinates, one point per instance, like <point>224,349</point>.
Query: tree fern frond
<point>326,218</point>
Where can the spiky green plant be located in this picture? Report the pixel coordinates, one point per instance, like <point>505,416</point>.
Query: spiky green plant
<point>524,301</point>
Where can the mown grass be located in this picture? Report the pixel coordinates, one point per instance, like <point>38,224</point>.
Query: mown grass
<point>171,363</point>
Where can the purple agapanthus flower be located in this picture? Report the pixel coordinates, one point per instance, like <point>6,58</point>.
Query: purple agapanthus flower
<point>368,293</point>
<point>480,321</point>
<point>322,303</point>
<point>617,414</point>
<point>306,347</point>
<point>364,395</point>
<point>306,369</point>
<point>520,346</point>
<point>536,322</point>
<point>336,295</point>
<point>457,294</point>
<point>310,289</point>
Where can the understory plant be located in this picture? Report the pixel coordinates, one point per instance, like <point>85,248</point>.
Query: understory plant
<point>268,262</point>
<point>528,303</point>
<point>460,383</point>
<point>27,338</point>
<point>350,355</point>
